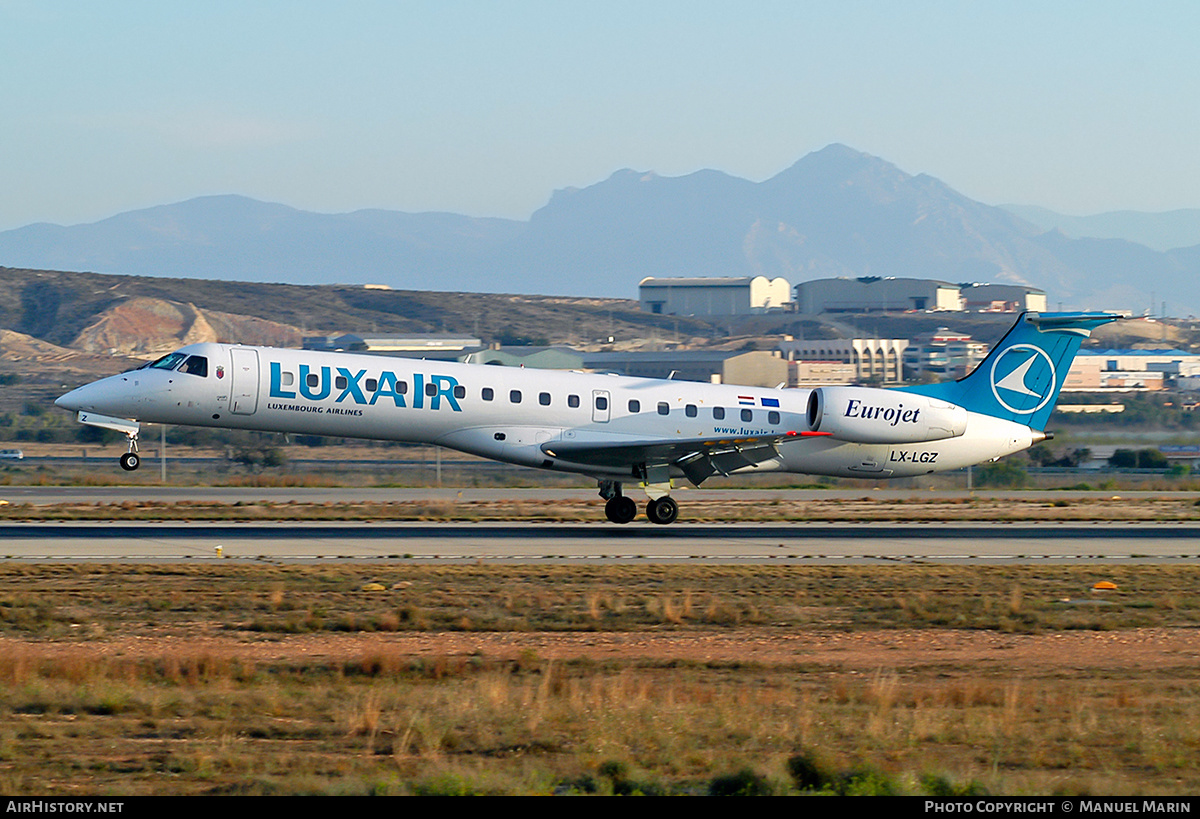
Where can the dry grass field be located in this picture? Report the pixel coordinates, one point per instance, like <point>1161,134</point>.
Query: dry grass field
<point>698,507</point>
<point>544,679</point>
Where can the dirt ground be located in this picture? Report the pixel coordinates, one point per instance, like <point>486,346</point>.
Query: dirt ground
<point>1143,649</point>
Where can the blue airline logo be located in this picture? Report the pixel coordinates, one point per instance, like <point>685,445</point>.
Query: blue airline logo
<point>354,387</point>
<point>1023,379</point>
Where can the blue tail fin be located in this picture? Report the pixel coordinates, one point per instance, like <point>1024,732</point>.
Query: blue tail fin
<point>1021,376</point>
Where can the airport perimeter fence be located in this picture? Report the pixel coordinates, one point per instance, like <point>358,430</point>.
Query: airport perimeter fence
<point>456,470</point>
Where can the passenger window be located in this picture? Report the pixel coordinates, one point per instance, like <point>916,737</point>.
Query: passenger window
<point>460,391</point>
<point>635,405</point>
<point>313,380</point>
<point>601,402</point>
<point>402,387</point>
<point>196,365</point>
<point>289,379</point>
<point>572,401</point>
<point>719,413</point>
<point>515,396</point>
<point>372,383</point>
<point>747,415</point>
<point>663,408</point>
<point>340,382</point>
<point>690,410</point>
<point>772,417</point>
<point>431,389</point>
<point>544,399</point>
<point>487,394</point>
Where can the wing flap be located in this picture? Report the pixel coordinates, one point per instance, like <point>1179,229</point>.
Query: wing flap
<point>699,458</point>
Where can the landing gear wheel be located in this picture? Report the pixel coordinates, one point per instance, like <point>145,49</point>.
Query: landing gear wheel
<point>620,509</point>
<point>664,510</point>
<point>130,461</point>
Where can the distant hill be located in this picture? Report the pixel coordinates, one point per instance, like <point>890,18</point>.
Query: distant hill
<point>148,327</point>
<point>1158,231</point>
<point>144,316</point>
<point>234,237</point>
<point>836,212</point>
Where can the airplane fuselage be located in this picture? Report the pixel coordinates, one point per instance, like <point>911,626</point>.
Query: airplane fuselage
<point>536,418</point>
<point>614,428</point>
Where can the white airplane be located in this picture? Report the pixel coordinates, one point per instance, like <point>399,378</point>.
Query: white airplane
<point>615,429</point>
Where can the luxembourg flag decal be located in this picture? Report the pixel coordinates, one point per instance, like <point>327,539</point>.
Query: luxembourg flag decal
<point>746,399</point>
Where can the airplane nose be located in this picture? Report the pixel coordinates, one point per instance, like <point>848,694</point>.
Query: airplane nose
<point>80,398</point>
<point>110,396</point>
<point>67,401</point>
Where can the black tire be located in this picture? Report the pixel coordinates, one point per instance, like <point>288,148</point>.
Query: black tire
<point>130,461</point>
<point>662,511</point>
<point>620,509</point>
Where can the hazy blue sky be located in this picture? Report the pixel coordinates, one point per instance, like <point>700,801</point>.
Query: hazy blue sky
<point>486,107</point>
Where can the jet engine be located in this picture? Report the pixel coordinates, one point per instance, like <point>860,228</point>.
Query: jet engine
<point>865,415</point>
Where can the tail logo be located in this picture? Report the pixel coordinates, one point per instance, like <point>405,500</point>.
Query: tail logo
<point>1025,376</point>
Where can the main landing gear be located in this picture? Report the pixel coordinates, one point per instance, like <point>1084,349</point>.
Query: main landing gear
<point>622,509</point>
<point>131,460</point>
<point>662,510</point>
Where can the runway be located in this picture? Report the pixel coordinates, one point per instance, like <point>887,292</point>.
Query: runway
<point>643,543</point>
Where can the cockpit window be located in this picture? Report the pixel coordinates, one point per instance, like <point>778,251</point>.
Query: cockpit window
<point>196,365</point>
<point>168,362</point>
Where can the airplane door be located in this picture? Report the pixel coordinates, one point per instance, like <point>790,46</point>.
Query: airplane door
<point>600,406</point>
<point>243,392</point>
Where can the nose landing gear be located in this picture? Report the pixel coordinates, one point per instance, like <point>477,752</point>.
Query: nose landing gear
<point>131,460</point>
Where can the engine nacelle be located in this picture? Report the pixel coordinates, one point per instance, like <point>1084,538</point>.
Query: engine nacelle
<point>865,415</point>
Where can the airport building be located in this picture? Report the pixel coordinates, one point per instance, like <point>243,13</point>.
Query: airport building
<point>869,294</point>
<point>745,295</point>
<point>1002,298</point>
<point>874,360</point>
<point>1120,370</point>
<point>444,347</point>
<point>941,355</point>
<point>755,368</point>
<point>543,358</point>
<point>750,368</point>
<point>1180,361</point>
<point>821,373</point>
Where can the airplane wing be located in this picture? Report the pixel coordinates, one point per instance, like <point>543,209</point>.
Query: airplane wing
<point>699,458</point>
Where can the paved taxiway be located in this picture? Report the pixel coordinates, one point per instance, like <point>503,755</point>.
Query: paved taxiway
<point>977,543</point>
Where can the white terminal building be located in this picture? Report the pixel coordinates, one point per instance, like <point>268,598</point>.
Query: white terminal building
<point>876,360</point>
<point>715,296</point>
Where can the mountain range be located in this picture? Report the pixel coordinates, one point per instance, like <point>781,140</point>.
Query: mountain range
<point>1158,231</point>
<point>835,212</point>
